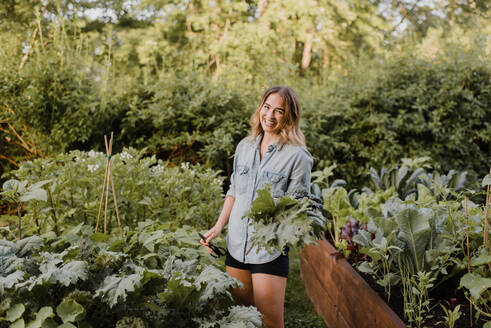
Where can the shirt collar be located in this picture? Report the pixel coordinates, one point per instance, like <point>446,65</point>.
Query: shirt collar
<point>257,143</point>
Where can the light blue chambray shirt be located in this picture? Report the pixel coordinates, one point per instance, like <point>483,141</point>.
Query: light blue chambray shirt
<point>286,167</point>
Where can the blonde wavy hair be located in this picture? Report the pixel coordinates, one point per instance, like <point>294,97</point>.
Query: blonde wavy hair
<point>290,124</point>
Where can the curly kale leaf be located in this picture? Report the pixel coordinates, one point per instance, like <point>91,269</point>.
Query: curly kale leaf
<point>213,281</point>
<point>286,222</point>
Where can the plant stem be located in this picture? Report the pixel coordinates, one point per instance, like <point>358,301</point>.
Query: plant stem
<point>36,218</point>
<point>468,257</point>
<point>19,208</point>
<point>336,233</point>
<point>486,218</point>
<point>53,211</point>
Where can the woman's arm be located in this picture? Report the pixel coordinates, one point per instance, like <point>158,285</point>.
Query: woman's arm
<point>221,222</point>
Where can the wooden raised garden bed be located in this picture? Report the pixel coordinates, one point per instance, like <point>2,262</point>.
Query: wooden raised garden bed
<point>339,293</point>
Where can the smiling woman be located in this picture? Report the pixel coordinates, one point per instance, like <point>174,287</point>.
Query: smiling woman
<point>271,113</point>
<point>274,153</point>
<point>279,113</point>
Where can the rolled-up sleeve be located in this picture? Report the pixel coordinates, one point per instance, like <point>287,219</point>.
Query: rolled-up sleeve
<point>231,188</point>
<point>299,182</point>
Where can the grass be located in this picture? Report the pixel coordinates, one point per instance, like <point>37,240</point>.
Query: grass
<point>299,311</point>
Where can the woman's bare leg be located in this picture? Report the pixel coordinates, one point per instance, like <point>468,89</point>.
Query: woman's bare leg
<point>269,298</point>
<point>242,296</point>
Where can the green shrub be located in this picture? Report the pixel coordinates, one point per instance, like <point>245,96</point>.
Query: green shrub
<point>156,278</point>
<point>145,189</point>
<point>404,107</point>
<point>373,114</point>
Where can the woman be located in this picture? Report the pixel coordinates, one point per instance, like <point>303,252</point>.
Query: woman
<point>274,153</point>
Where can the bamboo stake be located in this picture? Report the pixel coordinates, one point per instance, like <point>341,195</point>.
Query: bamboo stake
<point>108,179</point>
<point>8,108</point>
<point>102,194</point>
<point>9,160</point>
<point>468,258</point>
<point>108,153</point>
<point>115,202</point>
<point>31,48</point>
<point>24,144</point>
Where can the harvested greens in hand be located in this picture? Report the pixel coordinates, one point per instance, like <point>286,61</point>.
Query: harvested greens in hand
<point>283,222</point>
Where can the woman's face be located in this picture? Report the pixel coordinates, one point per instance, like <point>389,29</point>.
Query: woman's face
<point>272,112</point>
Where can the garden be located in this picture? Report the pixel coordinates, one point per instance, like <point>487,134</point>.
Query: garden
<point>118,124</point>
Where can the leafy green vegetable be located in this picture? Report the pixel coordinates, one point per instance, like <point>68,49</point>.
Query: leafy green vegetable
<point>212,281</point>
<point>70,311</point>
<point>475,284</point>
<point>286,222</point>
<point>415,231</point>
<point>241,316</point>
<point>18,324</point>
<point>486,181</point>
<point>15,312</point>
<point>115,288</point>
<point>42,315</point>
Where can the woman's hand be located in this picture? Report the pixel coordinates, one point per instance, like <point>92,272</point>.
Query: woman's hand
<point>210,235</point>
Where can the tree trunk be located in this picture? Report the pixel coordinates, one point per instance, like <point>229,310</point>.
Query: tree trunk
<point>307,52</point>
<point>261,5</point>
<point>325,57</point>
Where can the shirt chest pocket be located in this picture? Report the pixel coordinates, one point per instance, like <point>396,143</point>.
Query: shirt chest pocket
<point>243,178</point>
<point>278,182</point>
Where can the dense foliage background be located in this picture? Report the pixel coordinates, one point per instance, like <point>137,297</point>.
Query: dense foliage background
<point>378,80</point>
<point>389,88</point>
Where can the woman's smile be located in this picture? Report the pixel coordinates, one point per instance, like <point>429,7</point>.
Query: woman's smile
<point>272,113</point>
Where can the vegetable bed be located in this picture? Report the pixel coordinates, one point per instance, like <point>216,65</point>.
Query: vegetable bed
<point>338,292</point>
<point>420,240</point>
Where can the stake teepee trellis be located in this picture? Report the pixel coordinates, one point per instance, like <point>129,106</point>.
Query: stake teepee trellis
<point>108,178</point>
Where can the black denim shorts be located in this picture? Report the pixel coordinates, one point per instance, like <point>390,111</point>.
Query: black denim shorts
<point>277,267</point>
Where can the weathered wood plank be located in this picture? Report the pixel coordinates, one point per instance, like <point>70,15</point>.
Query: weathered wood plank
<point>319,297</point>
<point>339,293</point>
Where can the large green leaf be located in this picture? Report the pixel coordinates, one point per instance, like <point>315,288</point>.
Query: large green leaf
<point>415,232</point>
<point>38,194</point>
<point>213,281</point>
<point>285,203</point>
<point>15,312</point>
<point>290,228</point>
<point>44,313</point>
<point>363,238</point>
<point>264,203</point>
<point>10,280</point>
<point>14,185</point>
<point>387,225</point>
<point>286,222</point>
<point>424,195</point>
<point>475,284</point>
<point>241,317</point>
<point>67,274</point>
<point>482,259</point>
<point>365,267</point>
<point>39,184</point>
<point>67,325</point>
<point>401,174</point>
<point>486,181</point>
<point>18,324</point>
<point>54,271</point>
<point>70,311</point>
<point>115,287</point>
<point>29,245</point>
